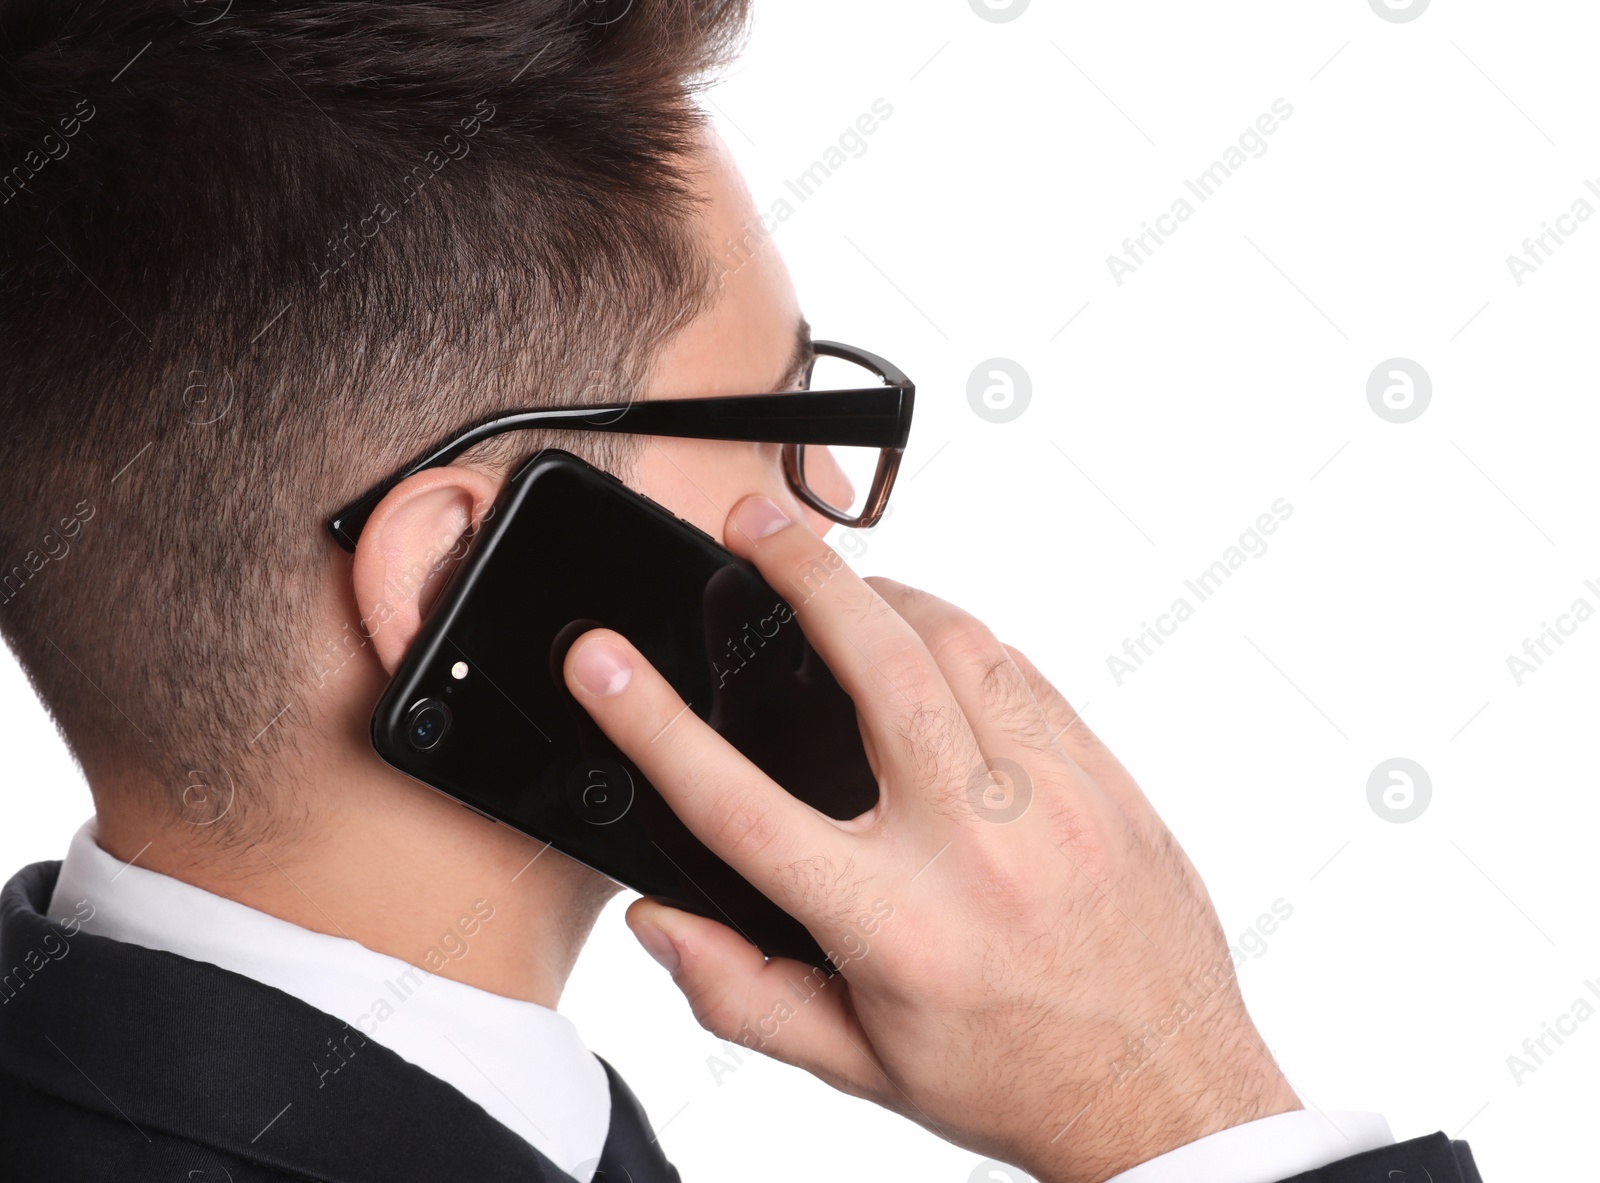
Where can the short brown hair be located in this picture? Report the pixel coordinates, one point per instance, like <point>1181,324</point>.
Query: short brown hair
<point>252,256</point>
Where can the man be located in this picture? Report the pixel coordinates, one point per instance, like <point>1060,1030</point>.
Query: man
<point>257,255</point>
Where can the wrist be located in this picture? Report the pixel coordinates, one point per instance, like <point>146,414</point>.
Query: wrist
<point>1167,1103</point>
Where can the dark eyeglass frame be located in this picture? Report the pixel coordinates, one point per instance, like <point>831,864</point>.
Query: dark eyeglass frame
<point>873,417</point>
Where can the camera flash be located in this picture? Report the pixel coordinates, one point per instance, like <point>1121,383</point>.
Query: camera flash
<point>459,670</point>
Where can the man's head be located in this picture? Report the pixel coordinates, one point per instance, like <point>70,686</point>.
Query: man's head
<point>252,257</point>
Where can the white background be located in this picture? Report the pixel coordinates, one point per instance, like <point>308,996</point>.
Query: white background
<point>1229,371</point>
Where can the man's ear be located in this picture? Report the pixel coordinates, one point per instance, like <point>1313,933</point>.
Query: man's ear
<point>408,547</point>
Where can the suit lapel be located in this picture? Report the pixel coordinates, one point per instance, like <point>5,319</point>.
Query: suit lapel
<point>184,1048</point>
<point>632,1154</point>
<point>187,1049</point>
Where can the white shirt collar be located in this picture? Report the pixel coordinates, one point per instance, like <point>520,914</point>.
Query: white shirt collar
<point>522,1062</point>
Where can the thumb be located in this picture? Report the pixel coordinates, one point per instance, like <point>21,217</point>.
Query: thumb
<point>786,1009</point>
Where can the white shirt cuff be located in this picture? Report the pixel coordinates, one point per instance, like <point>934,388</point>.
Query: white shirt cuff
<point>1268,1150</point>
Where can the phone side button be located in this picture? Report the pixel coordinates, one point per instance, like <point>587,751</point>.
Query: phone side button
<point>476,810</point>
<point>652,501</point>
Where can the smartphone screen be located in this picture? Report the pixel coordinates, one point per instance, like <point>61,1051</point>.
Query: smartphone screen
<point>480,711</point>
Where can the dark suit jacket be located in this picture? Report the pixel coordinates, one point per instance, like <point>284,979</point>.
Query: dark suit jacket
<point>123,1063</point>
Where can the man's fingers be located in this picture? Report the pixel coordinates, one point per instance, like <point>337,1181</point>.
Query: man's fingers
<point>998,700</point>
<point>1082,744</point>
<point>746,819</point>
<point>1014,736</point>
<point>782,1008</point>
<point>1060,715</point>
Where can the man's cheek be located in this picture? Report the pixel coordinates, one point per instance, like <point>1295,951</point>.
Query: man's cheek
<point>827,477</point>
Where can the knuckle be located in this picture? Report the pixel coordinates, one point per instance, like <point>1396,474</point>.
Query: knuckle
<point>955,638</point>
<point>965,645</point>
<point>716,1010</point>
<point>688,780</point>
<point>970,652</point>
<point>916,601</point>
<point>668,732</point>
<point>907,670</point>
<point>1003,684</point>
<point>1038,685</point>
<point>874,608</point>
<point>1086,837</point>
<point>808,575</point>
<point>741,828</point>
<point>1020,656</point>
<point>1006,891</point>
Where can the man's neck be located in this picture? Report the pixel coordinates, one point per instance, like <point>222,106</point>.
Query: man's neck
<point>391,865</point>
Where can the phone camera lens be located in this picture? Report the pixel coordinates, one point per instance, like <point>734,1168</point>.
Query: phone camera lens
<point>426,724</point>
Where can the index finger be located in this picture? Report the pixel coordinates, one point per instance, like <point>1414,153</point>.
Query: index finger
<point>743,816</point>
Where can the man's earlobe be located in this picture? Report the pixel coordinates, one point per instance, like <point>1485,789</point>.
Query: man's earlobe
<point>407,549</point>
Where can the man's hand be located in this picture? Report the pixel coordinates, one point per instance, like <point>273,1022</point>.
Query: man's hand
<point>1031,966</point>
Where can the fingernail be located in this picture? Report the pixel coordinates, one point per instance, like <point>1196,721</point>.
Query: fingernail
<point>601,669</point>
<point>658,945</point>
<point>759,517</point>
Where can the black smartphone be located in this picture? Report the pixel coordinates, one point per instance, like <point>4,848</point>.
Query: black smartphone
<point>479,709</point>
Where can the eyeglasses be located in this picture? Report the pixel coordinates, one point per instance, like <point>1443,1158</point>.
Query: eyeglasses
<point>838,430</point>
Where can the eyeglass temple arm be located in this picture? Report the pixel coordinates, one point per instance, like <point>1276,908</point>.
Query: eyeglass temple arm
<point>876,417</point>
